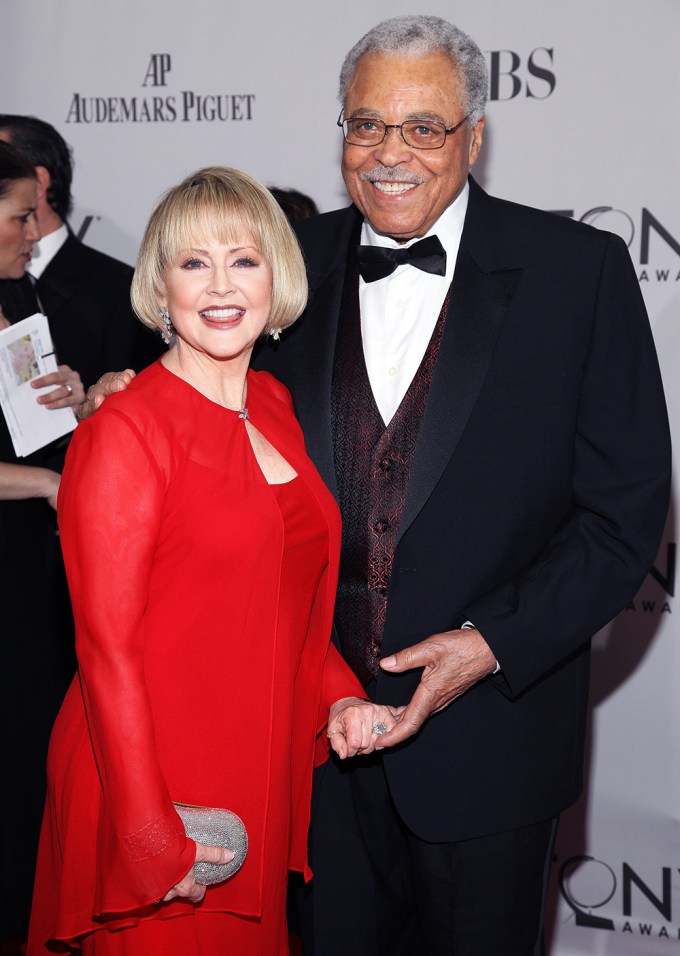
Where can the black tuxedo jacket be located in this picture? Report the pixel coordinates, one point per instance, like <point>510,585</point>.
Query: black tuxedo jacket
<point>537,496</point>
<point>86,297</point>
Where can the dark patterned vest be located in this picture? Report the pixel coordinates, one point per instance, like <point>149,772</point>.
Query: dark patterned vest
<point>372,466</point>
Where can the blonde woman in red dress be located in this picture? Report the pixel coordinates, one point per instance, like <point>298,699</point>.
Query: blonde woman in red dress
<point>201,548</point>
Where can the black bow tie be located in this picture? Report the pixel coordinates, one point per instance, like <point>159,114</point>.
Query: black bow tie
<point>376,262</point>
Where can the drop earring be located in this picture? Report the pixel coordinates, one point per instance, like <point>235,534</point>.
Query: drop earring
<point>169,330</point>
<point>275,334</point>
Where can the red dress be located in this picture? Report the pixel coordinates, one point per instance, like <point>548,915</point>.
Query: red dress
<point>203,600</point>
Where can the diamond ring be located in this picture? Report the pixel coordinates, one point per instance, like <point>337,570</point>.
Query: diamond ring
<point>379,728</point>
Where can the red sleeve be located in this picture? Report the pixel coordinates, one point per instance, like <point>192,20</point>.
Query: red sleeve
<point>110,504</point>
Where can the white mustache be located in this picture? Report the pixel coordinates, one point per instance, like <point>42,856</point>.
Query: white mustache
<point>386,174</point>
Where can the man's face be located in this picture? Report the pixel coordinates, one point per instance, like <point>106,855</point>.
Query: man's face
<point>402,191</point>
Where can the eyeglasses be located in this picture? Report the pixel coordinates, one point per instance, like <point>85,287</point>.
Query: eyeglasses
<point>420,134</point>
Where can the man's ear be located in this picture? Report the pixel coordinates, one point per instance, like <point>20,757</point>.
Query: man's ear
<point>476,140</point>
<point>43,181</point>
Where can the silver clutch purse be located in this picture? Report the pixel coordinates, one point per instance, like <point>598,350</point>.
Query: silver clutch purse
<point>215,827</point>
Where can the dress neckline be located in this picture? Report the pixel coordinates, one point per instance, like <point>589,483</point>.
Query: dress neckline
<point>283,484</point>
<point>242,413</point>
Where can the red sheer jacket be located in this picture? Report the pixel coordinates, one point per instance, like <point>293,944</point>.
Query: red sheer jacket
<point>172,541</point>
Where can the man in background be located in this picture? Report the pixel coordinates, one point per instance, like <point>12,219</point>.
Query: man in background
<point>84,293</point>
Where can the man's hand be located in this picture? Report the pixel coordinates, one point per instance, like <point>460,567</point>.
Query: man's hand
<point>109,383</point>
<point>452,663</point>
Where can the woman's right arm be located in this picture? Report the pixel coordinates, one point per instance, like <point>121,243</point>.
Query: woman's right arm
<point>110,504</point>
<point>24,481</point>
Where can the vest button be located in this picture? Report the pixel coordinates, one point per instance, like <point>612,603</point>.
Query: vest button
<point>380,526</point>
<point>385,464</point>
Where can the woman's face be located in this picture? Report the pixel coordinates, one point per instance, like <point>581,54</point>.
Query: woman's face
<point>219,297</point>
<point>18,228</point>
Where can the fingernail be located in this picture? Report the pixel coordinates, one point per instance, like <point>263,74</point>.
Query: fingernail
<point>388,662</point>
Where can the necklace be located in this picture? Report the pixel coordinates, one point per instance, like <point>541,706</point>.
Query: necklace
<point>243,411</point>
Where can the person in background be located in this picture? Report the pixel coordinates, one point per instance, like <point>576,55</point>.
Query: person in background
<point>36,635</point>
<point>84,293</point>
<point>86,297</point>
<point>296,205</point>
<point>201,548</point>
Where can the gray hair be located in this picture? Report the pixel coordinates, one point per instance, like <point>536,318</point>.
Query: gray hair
<point>414,36</point>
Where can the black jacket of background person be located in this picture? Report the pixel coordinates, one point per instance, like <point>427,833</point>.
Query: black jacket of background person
<point>86,297</point>
<point>538,493</point>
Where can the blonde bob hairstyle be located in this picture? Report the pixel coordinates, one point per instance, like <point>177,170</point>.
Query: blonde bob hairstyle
<point>219,204</point>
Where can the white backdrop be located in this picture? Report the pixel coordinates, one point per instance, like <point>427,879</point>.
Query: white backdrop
<point>583,120</point>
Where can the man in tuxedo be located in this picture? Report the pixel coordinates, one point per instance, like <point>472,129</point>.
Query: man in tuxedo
<point>488,409</point>
<point>84,293</point>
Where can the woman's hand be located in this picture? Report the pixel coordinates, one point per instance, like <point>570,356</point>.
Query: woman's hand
<point>109,383</point>
<point>188,888</point>
<point>355,725</point>
<point>68,392</point>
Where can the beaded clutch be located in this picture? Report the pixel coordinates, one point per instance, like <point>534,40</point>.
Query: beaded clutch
<point>215,827</point>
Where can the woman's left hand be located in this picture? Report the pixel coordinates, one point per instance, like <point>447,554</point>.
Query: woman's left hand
<point>68,392</point>
<point>355,725</point>
<point>188,888</point>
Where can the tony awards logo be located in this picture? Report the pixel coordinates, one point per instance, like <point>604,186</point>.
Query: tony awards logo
<point>648,238</point>
<point>604,897</point>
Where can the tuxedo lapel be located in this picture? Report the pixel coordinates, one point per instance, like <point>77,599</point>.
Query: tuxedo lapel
<point>58,281</point>
<point>326,265</point>
<point>313,391</point>
<point>478,306</point>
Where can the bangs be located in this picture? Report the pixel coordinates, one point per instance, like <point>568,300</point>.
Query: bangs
<point>199,221</point>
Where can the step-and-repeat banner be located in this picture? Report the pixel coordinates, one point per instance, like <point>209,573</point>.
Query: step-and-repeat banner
<point>582,120</point>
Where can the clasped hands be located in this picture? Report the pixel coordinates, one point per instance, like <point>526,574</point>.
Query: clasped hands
<point>452,662</point>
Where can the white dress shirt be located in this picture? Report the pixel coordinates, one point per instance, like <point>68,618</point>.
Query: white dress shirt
<point>45,251</point>
<point>399,312</point>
